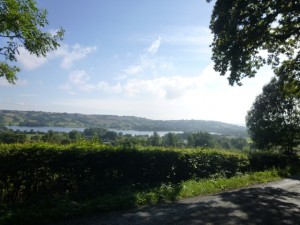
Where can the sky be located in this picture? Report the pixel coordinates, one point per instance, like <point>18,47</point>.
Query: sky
<point>148,59</point>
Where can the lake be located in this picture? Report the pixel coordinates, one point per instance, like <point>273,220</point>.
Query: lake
<point>68,129</point>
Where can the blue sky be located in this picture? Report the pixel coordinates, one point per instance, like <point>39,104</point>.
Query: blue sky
<point>139,58</point>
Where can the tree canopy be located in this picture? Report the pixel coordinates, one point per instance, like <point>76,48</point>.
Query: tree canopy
<point>251,33</point>
<point>22,25</point>
<point>274,119</point>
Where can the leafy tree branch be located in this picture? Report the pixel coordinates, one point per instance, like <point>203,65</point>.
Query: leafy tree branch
<point>22,25</point>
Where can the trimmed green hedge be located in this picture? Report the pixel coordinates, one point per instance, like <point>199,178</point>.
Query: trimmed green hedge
<point>34,171</point>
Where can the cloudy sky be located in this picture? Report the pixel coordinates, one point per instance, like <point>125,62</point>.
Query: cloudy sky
<point>140,58</point>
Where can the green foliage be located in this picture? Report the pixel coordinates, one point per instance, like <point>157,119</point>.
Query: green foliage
<point>10,137</point>
<point>128,141</point>
<point>267,160</point>
<point>201,139</point>
<point>154,140</point>
<point>238,143</point>
<point>54,209</point>
<point>54,137</point>
<point>109,136</point>
<point>21,26</point>
<point>171,139</point>
<point>244,28</point>
<point>209,186</point>
<point>42,182</point>
<point>9,72</point>
<point>86,169</point>
<point>75,135</point>
<point>92,131</point>
<point>274,119</point>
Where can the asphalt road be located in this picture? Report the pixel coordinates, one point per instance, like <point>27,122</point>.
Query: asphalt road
<point>272,203</point>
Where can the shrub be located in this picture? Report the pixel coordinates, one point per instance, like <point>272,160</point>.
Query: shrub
<point>85,170</point>
<point>267,160</point>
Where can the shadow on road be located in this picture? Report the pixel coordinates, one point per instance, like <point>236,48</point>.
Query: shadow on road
<point>265,205</point>
<point>246,206</point>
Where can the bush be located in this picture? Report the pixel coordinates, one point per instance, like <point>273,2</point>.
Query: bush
<point>86,170</point>
<point>260,161</point>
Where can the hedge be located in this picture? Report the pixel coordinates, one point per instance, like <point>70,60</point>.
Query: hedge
<point>265,160</point>
<point>34,171</point>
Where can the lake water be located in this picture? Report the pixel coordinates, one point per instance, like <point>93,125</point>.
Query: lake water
<point>68,129</point>
<point>45,129</point>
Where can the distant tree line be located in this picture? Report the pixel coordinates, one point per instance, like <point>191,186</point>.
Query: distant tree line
<point>38,119</point>
<point>101,135</point>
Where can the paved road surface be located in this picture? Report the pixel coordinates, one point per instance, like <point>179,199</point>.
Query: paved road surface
<point>273,203</point>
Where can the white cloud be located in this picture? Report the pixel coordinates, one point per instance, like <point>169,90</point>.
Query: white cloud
<point>207,83</point>
<point>152,93</point>
<point>73,54</point>
<point>193,39</point>
<point>164,87</point>
<point>106,87</point>
<point>147,61</point>
<point>154,46</point>
<point>19,82</point>
<point>4,82</point>
<point>69,55</point>
<point>179,40</point>
<point>79,77</point>
<point>134,69</point>
<point>206,96</point>
<point>80,80</point>
<point>173,87</point>
<point>30,61</point>
<point>193,35</point>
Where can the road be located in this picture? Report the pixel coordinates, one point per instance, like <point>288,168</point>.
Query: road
<point>272,203</point>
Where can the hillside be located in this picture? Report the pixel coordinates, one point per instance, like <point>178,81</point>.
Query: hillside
<point>36,118</point>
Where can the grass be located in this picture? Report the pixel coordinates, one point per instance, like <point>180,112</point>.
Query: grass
<point>204,187</point>
<point>190,188</point>
<point>54,209</point>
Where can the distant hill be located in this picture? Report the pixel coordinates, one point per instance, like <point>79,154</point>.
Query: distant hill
<point>36,118</point>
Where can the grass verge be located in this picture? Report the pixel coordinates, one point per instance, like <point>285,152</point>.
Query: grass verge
<point>52,210</point>
<point>190,188</point>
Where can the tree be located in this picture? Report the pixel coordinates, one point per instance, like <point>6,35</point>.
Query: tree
<point>56,137</point>
<point>243,29</point>
<point>21,25</point>
<point>9,137</point>
<point>201,139</point>
<point>274,119</point>
<point>94,131</point>
<point>238,143</point>
<point>109,136</point>
<point>154,140</point>
<point>75,135</point>
<point>171,139</point>
<point>3,127</point>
